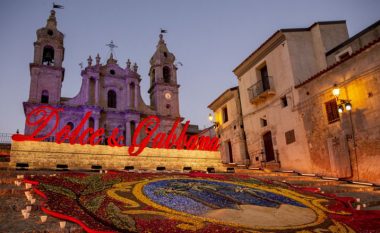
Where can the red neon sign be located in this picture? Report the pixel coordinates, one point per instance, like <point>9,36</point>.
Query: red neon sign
<point>43,115</point>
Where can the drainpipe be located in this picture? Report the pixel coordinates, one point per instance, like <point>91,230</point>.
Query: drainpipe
<point>354,144</point>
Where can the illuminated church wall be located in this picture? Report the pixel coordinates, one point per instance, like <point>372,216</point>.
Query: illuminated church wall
<point>111,92</point>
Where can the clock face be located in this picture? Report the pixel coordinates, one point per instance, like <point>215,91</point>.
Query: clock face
<point>168,96</point>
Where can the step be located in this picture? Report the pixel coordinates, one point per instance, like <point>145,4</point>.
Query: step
<point>313,183</point>
<point>302,178</point>
<point>265,174</point>
<point>346,188</point>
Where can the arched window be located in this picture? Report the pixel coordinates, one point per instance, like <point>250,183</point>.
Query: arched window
<point>166,73</point>
<point>111,99</point>
<point>133,93</point>
<point>71,125</point>
<point>48,55</point>
<point>45,97</point>
<point>91,123</point>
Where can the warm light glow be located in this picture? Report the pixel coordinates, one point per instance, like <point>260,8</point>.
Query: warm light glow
<point>336,92</point>
<point>210,117</point>
<point>348,106</point>
<point>340,109</point>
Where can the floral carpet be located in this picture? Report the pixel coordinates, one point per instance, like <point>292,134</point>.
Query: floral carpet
<point>195,202</point>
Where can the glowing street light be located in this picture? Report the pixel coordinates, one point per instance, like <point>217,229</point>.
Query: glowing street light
<point>340,109</point>
<point>210,117</point>
<point>344,103</point>
<point>336,92</point>
<point>348,106</point>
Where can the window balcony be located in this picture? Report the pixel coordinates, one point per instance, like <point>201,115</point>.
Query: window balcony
<point>261,90</point>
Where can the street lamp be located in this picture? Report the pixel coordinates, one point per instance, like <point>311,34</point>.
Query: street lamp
<point>348,106</point>
<point>210,118</point>
<point>336,92</point>
<point>340,109</point>
<point>344,104</point>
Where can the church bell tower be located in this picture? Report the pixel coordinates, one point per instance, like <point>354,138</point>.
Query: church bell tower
<point>163,82</point>
<point>46,71</point>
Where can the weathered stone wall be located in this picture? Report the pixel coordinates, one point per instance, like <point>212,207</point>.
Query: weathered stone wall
<point>49,154</point>
<point>231,130</point>
<point>280,62</point>
<point>350,145</point>
<point>356,43</point>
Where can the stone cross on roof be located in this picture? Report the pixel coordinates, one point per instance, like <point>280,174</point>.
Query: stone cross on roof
<point>111,45</point>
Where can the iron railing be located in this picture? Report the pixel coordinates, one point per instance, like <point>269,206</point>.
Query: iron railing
<point>264,85</point>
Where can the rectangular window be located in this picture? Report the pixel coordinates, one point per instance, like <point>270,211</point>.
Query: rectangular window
<point>284,101</point>
<point>332,111</point>
<point>344,56</point>
<point>264,78</point>
<point>263,122</point>
<point>290,137</point>
<point>225,115</point>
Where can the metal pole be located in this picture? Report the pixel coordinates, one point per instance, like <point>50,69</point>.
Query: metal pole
<point>354,141</point>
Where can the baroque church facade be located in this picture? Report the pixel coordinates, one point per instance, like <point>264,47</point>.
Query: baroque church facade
<point>111,92</point>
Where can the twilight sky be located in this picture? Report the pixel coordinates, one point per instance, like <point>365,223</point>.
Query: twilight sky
<point>210,38</point>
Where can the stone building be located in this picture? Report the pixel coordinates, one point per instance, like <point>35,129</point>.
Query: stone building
<point>285,86</point>
<point>343,130</point>
<point>111,92</point>
<point>229,127</point>
<point>274,133</point>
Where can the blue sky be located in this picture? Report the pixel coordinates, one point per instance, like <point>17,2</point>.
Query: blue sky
<point>210,38</point>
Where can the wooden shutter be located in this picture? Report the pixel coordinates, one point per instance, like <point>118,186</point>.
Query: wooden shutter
<point>332,111</point>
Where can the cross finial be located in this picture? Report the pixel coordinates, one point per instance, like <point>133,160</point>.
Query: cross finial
<point>111,45</point>
<point>89,61</point>
<point>135,67</point>
<point>97,59</point>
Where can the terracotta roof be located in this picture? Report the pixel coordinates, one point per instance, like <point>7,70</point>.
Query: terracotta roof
<point>320,73</point>
<point>229,89</point>
<point>206,129</point>
<point>359,34</point>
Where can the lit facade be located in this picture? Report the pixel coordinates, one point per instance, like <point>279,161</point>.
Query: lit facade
<point>285,87</point>
<point>343,131</point>
<point>229,127</point>
<point>109,91</point>
<point>275,135</point>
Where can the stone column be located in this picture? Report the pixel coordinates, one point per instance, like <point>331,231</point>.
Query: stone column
<point>87,90</point>
<point>96,91</point>
<point>129,105</point>
<point>128,133</point>
<point>137,93</point>
<point>96,123</point>
<point>37,54</point>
